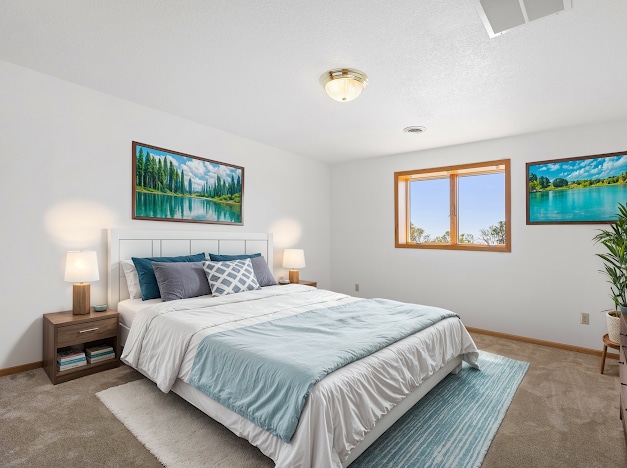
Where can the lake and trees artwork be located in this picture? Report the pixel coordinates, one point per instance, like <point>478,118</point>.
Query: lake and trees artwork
<point>173,186</point>
<point>576,190</point>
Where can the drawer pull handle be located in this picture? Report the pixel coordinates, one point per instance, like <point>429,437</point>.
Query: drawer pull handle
<point>88,330</point>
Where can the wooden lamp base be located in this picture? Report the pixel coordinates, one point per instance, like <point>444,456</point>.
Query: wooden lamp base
<point>294,276</point>
<point>80,302</point>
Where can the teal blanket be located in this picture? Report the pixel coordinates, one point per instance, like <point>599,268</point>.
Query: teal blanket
<point>265,372</point>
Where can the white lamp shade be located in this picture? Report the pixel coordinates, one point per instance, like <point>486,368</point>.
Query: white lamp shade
<point>293,258</point>
<point>81,266</point>
<point>344,89</point>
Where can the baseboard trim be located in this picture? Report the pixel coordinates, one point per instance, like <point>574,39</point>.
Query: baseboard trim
<point>18,369</point>
<point>551,344</point>
<point>524,339</point>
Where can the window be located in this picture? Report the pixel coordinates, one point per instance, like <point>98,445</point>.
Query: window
<point>464,207</point>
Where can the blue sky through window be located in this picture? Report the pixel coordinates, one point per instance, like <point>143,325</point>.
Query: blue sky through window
<point>481,203</point>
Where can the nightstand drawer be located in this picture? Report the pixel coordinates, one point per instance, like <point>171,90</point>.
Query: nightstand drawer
<point>84,332</point>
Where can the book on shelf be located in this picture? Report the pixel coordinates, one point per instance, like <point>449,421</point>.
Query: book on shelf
<point>62,367</point>
<point>100,358</point>
<point>70,354</point>
<point>101,353</point>
<point>72,361</point>
<point>97,350</point>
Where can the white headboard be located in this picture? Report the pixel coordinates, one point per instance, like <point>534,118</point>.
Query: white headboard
<point>127,243</point>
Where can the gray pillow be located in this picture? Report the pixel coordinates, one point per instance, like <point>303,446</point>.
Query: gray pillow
<point>181,280</point>
<point>146,275</point>
<point>262,272</point>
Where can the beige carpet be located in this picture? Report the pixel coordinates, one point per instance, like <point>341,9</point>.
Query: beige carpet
<point>565,414</point>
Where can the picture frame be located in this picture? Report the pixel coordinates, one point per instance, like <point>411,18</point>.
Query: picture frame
<point>173,186</point>
<point>579,190</point>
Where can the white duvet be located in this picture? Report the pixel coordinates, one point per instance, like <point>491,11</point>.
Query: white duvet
<point>341,409</point>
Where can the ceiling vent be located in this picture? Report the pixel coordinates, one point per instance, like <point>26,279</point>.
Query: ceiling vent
<point>500,16</point>
<point>415,129</point>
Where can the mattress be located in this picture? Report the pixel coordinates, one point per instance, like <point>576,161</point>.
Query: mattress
<point>128,309</point>
<point>340,410</point>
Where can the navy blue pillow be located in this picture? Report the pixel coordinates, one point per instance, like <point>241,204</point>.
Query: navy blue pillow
<point>146,274</point>
<point>228,258</point>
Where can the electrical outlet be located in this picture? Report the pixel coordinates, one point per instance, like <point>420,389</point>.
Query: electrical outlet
<point>585,318</point>
<point>357,287</point>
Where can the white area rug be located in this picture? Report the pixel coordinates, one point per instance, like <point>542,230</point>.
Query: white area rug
<point>452,426</point>
<point>175,432</point>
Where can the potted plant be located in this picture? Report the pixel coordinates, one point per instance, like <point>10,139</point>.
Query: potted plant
<point>614,240</point>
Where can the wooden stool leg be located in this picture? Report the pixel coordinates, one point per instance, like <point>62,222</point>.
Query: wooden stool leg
<point>603,357</point>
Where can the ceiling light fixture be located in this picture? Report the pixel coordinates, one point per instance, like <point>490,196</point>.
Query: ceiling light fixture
<point>344,84</point>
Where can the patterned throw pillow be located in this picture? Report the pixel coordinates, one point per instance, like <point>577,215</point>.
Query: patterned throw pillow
<point>260,267</point>
<point>230,277</point>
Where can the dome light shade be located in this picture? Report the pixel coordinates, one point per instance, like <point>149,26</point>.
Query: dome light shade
<point>344,84</point>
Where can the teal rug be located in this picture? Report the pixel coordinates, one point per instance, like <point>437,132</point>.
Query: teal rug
<point>454,424</point>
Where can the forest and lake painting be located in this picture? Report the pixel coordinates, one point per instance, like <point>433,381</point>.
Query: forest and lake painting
<point>576,190</point>
<point>172,186</point>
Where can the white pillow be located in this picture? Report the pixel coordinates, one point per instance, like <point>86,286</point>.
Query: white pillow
<point>230,277</point>
<point>132,279</point>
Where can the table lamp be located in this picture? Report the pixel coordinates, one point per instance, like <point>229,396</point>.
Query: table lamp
<point>292,260</point>
<point>80,268</point>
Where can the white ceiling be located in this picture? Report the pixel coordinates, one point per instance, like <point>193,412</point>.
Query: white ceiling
<point>251,67</point>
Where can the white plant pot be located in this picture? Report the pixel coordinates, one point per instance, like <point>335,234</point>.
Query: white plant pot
<point>613,327</point>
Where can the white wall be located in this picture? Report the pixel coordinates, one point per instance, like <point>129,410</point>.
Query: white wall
<point>65,177</point>
<point>538,290</point>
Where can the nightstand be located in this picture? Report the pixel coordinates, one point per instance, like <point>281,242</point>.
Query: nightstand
<point>313,284</point>
<point>63,329</point>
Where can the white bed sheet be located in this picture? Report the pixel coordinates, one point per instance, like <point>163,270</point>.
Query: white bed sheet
<point>341,408</point>
<point>128,308</point>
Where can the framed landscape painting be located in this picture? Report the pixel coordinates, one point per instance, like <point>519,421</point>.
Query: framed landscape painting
<point>173,186</point>
<point>582,190</point>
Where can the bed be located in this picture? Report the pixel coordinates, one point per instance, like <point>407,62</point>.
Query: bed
<point>344,413</point>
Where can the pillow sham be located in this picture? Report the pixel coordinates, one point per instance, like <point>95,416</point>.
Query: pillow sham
<point>262,272</point>
<point>132,280</point>
<point>227,258</point>
<point>180,280</point>
<point>230,277</point>
<point>146,275</point>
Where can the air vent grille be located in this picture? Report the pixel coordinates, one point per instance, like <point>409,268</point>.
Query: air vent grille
<point>416,129</point>
<point>500,16</point>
